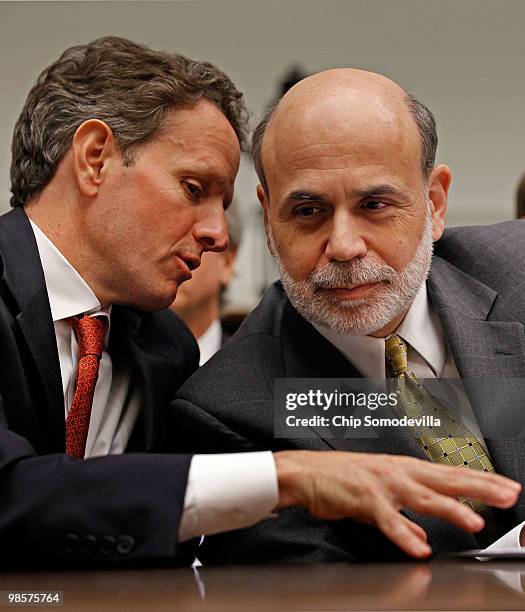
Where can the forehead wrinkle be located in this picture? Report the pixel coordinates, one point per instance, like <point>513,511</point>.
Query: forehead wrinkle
<point>346,126</point>
<point>225,139</point>
<point>359,144</point>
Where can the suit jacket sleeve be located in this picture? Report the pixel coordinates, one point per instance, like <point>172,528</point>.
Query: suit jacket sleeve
<point>109,510</point>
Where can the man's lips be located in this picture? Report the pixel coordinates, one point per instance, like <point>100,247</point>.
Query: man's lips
<point>184,269</point>
<point>353,293</point>
<point>187,261</point>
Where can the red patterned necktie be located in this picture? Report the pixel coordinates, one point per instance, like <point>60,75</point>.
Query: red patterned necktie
<point>90,333</point>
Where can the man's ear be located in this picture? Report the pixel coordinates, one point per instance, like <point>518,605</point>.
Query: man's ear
<point>438,185</point>
<point>265,203</point>
<point>93,144</point>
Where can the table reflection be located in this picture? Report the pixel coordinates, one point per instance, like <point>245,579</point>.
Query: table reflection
<point>439,585</point>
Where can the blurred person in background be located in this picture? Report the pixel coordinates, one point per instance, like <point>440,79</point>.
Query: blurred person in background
<point>199,301</point>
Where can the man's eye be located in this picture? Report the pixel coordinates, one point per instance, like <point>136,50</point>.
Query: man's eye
<point>307,211</point>
<point>374,205</point>
<point>193,189</point>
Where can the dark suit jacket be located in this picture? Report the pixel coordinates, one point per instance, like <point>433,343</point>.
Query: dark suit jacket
<point>476,285</point>
<point>114,509</point>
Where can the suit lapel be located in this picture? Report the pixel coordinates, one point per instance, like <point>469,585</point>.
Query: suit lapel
<point>487,352</point>
<point>154,374</point>
<point>307,354</point>
<point>480,347</point>
<point>23,275</point>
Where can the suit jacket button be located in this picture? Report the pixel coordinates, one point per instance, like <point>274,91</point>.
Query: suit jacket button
<point>107,545</point>
<point>89,544</point>
<point>71,543</point>
<point>125,544</point>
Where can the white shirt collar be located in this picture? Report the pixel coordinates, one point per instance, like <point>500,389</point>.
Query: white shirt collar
<point>210,341</point>
<point>421,328</point>
<point>68,292</point>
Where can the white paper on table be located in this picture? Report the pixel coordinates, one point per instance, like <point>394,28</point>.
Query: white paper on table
<point>508,546</point>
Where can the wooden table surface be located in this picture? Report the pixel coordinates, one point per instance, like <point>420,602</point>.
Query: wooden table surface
<point>439,585</point>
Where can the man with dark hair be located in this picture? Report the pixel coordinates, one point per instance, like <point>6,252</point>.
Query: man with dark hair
<point>124,84</point>
<point>353,202</point>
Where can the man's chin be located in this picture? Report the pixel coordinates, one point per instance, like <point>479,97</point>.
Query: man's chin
<point>151,301</point>
<point>348,317</point>
<point>345,326</point>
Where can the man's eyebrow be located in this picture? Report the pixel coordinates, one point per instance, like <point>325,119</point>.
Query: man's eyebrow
<point>204,170</point>
<point>379,190</point>
<point>305,196</point>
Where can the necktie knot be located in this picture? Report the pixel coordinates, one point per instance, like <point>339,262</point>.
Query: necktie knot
<point>396,352</point>
<point>90,333</point>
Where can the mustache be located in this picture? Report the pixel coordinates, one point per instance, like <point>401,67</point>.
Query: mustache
<point>347,274</point>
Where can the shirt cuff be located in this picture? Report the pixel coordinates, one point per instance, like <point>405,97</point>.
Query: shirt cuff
<point>228,491</point>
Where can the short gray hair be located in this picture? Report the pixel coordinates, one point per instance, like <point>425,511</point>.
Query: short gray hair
<point>125,84</point>
<point>423,117</point>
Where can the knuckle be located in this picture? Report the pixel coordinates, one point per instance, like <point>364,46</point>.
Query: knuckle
<point>426,500</point>
<point>494,479</point>
<point>452,507</point>
<point>388,473</point>
<point>454,481</point>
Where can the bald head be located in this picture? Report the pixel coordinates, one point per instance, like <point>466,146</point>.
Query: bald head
<point>329,89</point>
<point>353,105</point>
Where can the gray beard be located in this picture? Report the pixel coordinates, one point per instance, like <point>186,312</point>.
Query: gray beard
<point>359,317</point>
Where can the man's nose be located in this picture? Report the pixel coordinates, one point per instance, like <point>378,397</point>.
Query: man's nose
<point>210,229</point>
<point>345,240</point>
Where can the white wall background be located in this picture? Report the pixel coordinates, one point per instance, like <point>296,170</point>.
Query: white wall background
<point>464,58</point>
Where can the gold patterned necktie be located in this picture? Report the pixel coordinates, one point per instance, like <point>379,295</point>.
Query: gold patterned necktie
<point>452,443</point>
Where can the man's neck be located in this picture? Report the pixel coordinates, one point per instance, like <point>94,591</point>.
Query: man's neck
<point>62,231</point>
<point>58,222</point>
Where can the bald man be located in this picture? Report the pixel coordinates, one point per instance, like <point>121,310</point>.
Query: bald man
<point>353,204</point>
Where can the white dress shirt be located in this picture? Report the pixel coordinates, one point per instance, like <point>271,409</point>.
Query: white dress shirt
<point>224,492</point>
<point>210,341</point>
